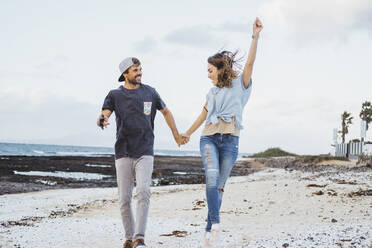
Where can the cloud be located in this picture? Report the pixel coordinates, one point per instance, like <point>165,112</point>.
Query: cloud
<point>318,20</point>
<point>204,36</point>
<point>12,74</point>
<point>146,45</point>
<point>41,115</point>
<point>57,63</point>
<point>195,36</point>
<point>48,66</point>
<point>236,26</point>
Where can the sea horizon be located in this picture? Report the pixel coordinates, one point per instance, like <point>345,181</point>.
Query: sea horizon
<point>32,149</point>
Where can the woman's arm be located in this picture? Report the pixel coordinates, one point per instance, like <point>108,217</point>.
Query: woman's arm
<point>201,118</point>
<point>248,68</point>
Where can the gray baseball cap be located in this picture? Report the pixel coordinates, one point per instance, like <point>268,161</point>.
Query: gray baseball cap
<point>126,64</point>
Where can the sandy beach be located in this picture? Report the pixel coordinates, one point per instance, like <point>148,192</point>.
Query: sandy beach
<point>275,207</point>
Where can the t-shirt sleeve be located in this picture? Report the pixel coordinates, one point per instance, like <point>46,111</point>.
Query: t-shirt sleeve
<point>208,99</point>
<point>246,91</point>
<point>108,103</point>
<point>158,101</point>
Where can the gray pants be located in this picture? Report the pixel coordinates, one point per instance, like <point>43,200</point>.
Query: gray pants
<point>126,170</point>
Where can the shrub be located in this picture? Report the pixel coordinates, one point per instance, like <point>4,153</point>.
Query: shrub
<point>272,152</point>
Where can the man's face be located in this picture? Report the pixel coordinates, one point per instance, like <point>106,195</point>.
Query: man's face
<point>134,74</point>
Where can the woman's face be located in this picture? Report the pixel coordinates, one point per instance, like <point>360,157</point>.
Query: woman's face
<point>213,73</point>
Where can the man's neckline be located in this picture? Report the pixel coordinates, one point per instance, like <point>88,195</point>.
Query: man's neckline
<point>122,87</point>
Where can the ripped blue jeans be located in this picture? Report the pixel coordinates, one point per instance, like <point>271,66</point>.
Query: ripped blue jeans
<point>219,153</point>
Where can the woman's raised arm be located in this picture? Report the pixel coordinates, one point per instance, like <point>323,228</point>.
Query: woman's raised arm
<point>248,67</point>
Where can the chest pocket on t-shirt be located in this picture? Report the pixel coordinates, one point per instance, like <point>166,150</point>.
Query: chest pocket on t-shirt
<point>147,108</point>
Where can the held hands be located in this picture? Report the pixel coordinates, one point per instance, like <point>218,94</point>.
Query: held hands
<point>185,138</point>
<point>257,27</point>
<point>182,139</point>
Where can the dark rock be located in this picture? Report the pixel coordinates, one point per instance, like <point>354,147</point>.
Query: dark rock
<point>165,171</point>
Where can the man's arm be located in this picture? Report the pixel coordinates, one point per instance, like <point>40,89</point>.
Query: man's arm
<point>102,120</point>
<point>248,68</point>
<point>172,125</point>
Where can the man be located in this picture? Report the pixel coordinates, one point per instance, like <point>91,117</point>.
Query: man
<point>135,106</point>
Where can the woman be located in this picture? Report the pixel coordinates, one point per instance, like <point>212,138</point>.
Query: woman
<point>220,136</point>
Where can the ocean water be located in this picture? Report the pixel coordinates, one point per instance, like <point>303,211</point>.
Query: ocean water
<point>60,150</point>
<point>52,150</point>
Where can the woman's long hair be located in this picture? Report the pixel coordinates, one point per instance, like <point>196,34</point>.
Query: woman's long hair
<point>225,62</point>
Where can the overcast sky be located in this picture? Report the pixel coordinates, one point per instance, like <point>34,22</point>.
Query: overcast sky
<point>59,59</point>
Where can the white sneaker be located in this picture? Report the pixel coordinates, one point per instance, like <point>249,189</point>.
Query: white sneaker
<point>215,234</point>
<point>207,237</point>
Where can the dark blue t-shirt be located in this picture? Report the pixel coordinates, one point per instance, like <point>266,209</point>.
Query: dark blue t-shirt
<point>135,112</point>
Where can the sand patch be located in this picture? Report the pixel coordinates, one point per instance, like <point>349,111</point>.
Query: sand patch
<point>338,162</point>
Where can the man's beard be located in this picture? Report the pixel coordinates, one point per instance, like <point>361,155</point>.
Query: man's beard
<point>134,82</point>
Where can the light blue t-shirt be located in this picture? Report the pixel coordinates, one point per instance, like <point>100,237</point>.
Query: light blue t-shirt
<point>226,103</point>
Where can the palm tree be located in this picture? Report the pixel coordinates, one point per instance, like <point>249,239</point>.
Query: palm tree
<point>366,113</point>
<point>346,119</point>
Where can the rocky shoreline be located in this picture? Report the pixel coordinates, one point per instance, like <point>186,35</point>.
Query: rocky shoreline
<point>16,172</point>
<point>20,174</point>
